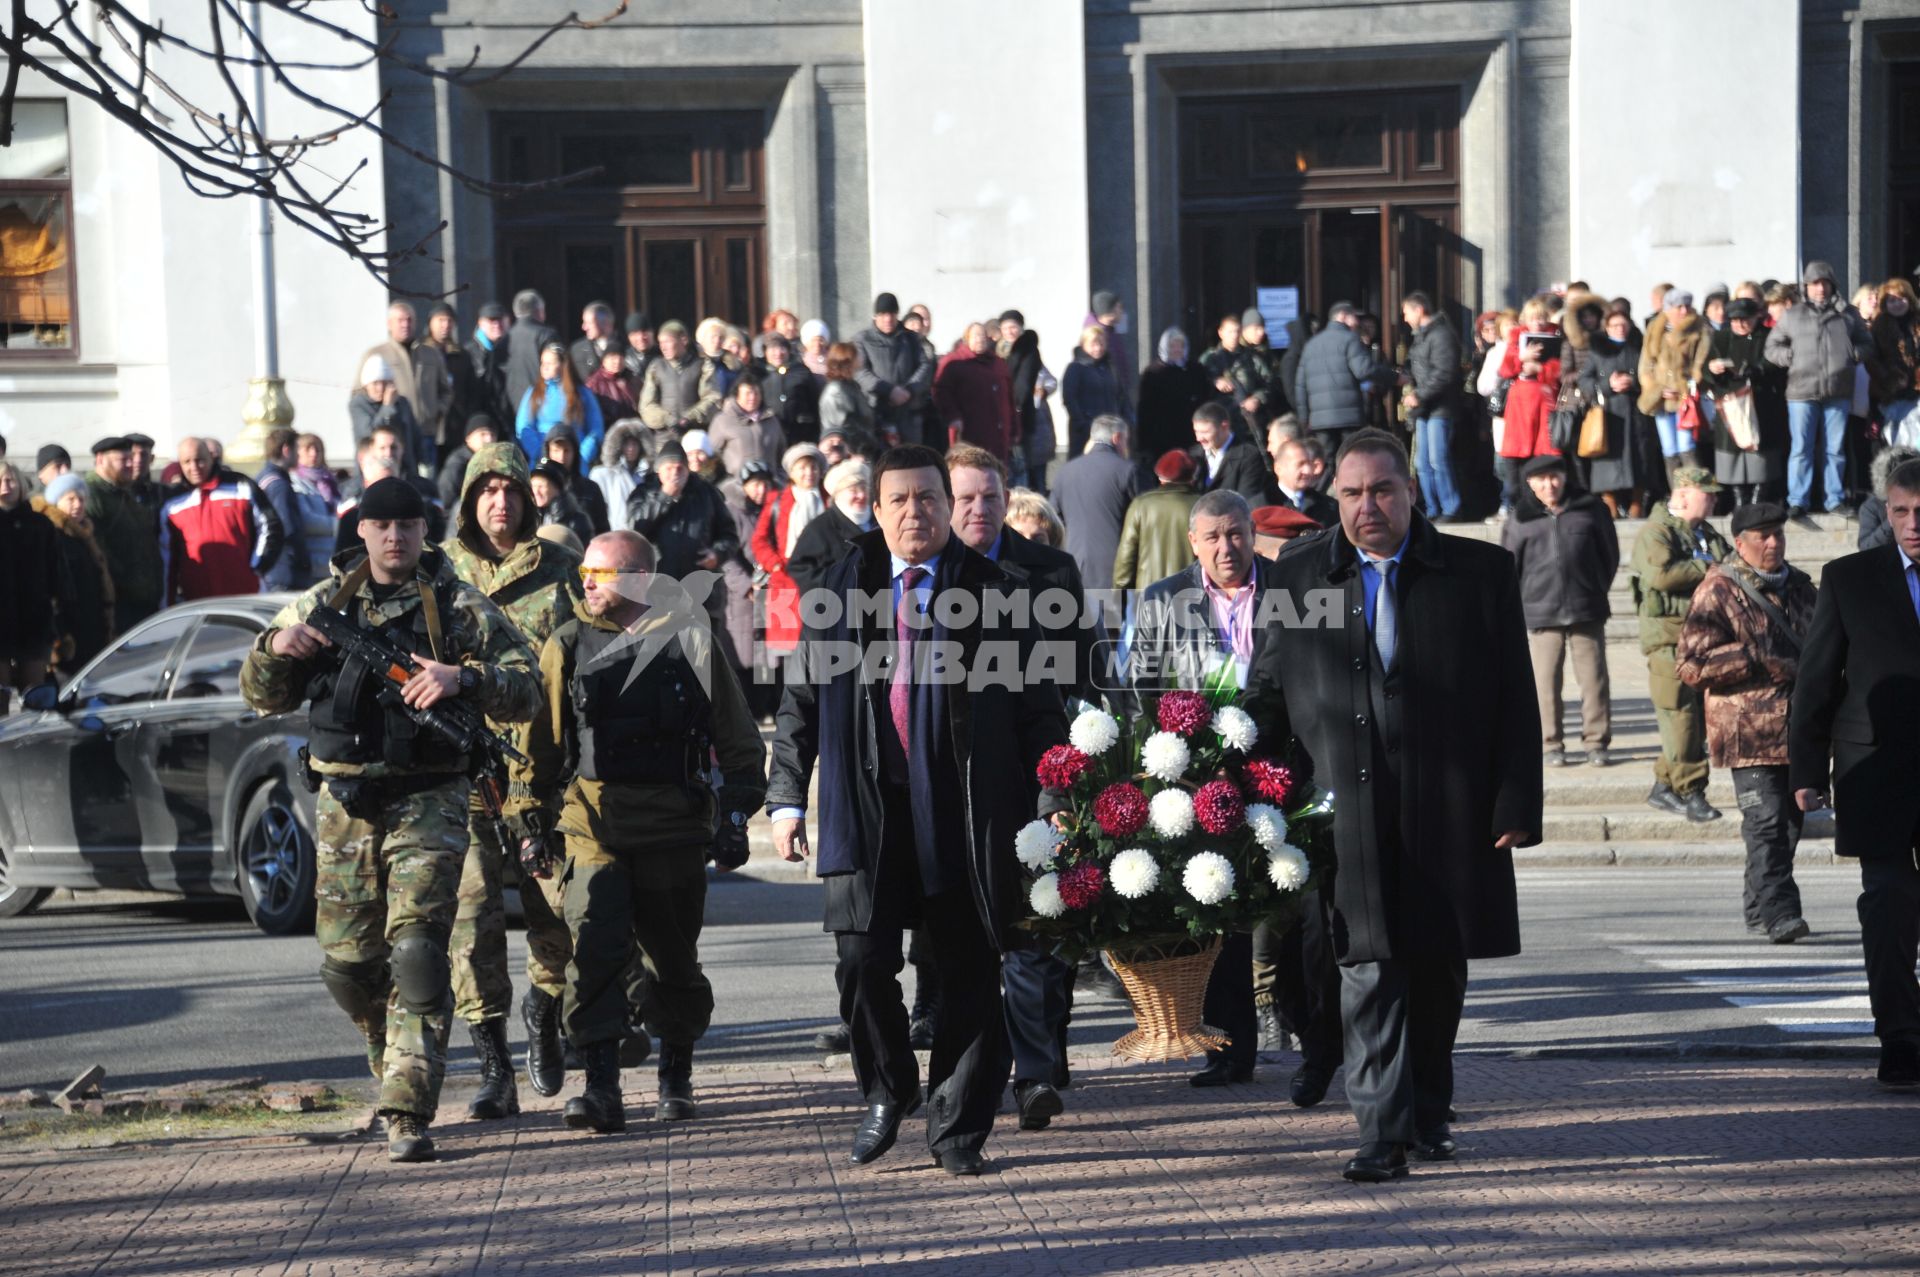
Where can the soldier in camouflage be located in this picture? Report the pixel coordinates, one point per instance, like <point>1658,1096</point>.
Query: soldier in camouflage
<point>392,810</point>
<point>536,583</point>
<point>638,706</point>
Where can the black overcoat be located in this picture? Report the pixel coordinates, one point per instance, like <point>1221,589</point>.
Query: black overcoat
<point>1469,764</point>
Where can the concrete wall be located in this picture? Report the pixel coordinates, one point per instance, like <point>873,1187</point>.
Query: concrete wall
<point>1709,196</point>
<point>166,322</point>
<point>969,215</point>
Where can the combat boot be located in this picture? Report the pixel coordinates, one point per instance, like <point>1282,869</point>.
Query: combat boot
<point>497,1097</point>
<point>407,1138</point>
<point>546,1072</point>
<point>599,1107</point>
<point>676,1083</point>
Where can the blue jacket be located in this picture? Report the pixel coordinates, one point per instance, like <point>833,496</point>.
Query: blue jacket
<point>532,431</point>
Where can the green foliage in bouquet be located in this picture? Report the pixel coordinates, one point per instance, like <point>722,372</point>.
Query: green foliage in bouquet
<point>1176,830</point>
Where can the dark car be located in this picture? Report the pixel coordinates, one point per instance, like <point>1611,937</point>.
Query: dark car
<point>148,771</point>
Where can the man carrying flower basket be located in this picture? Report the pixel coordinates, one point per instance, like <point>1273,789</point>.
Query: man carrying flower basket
<point>1416,706</point>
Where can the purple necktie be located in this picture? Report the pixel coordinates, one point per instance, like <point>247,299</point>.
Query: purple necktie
<point>900,695</point>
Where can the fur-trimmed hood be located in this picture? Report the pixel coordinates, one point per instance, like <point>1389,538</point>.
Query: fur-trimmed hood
<point>1570,316</point>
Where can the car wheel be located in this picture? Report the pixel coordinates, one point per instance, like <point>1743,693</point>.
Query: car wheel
<point>15,901</point>
<point>276,861</point>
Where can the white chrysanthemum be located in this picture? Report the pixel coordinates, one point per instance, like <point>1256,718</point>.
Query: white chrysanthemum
<point>1094,732</point>
<point>1171,813</point>
<point>1236,728</point>
<point>1035,843</point>
<point>1134,872</point>
<point>1208,877</point>
<point>1045,896</point>
<point>1164,756</point>
<point>1288,867</point>
<point>1269,825</point>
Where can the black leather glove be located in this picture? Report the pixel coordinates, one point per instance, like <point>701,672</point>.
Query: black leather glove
<point>540,844</point>
<point>730,840</point>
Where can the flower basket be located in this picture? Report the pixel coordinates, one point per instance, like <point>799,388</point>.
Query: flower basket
<point>1167,984</point>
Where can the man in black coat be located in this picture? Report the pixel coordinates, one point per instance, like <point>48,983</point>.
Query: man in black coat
<point>1227,461</point>
<point>1295,467</point>
<point>1411,696</point>
<point>919,809</point>
<point>528,337</point>
<point>487,352</point>
<point>1853,716</point>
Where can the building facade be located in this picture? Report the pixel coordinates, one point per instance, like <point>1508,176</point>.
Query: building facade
<point>1195,156</point>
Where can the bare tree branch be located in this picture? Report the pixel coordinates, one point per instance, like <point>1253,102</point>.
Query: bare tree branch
<point>212,135</point>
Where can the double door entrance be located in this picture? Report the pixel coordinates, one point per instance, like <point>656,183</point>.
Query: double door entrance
<point>1293,203</point>
<point>663,212</point>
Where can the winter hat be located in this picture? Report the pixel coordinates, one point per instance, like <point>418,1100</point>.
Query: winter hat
<point>1718,290</point>
<point>1252,318</point>
<point>137,440</point>
<point>391,499</point>
<point>1676,297</point>
<point>442,308</point>
<point>1758,514</point>
<point>375,369</point>
<point>1743,308</point>
<point>669,451</point>
<point>481,421</point>
<point>553,472</point>
<point>1544,464</point>
<point>1816,271</point>
<point>815,328</point>
<point>638,321</point>
<point>1174,466</point>
<point>112,443</point>
<point>1104,302</point>
<point>799,452</point>
<point>756,469</point>
<point>63,485</point>
<point>1015,316</point>
<point>492,310</point>
<point>845,474</point>
<point>697,441</point>
<point>50,453</point>
<point>886,304</point>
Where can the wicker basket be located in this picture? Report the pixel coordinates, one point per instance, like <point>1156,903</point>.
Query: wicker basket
<point>1167,984</point>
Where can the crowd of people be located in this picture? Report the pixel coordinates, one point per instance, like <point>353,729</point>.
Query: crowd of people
<point>756,458</point>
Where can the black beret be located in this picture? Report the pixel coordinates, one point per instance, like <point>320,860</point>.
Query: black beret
<point>112,443</point>
<point>1542,465</point>
<point>638,321</point>
<point>482,421</point>
<point>1760,514</point>
<point>392,499</point>
<point>50,453</point>
<point>137,440</point>
<point>886,304</point>
<point>1743,308</point>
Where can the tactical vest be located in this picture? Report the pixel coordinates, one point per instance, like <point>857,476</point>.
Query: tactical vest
<point>348,724</point>
<point>650,726</point>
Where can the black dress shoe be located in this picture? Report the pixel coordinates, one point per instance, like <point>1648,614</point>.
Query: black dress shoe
<point>1435,1146</point>
<point>1899,1066</point>
<point>1377,1163</point>
<point>835,1041</point>
<point>880,1128</point>
<point>1787,930</point>
<point>1221,1071</point>
<point>960,1161</point>
<point>1309,1085</point>
<point>1039,1104</point>
<point>920,1031</point>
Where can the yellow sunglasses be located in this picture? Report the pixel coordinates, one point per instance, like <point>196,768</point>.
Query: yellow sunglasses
<point>602,574</point>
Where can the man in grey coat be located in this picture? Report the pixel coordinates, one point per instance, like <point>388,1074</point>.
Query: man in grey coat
<point>1093,491</point>
<point>1819,342</point>
<point>894,370</point>
<point>1326,389</point>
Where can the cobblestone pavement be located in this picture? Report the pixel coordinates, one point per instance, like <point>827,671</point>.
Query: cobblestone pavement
<point>1567,1166</point>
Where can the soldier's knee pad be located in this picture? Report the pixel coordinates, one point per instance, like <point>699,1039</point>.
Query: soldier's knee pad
<point>421,972</point>
<point>360,988</point>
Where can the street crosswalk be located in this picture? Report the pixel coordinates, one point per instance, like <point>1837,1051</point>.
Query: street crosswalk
<point>1816,989</point>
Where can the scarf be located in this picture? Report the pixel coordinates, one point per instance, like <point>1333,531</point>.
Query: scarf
<point>322,481</point>
<point>1166,342</point>
<point>1774,581</point>
<point>806,506</point>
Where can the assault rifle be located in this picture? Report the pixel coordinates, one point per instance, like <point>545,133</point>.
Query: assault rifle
<point>454,721</point>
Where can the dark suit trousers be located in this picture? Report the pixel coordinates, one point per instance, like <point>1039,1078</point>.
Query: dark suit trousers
<point>1890,935</point>
<point>970,1054</point>
<point>1039,997</point>
<point>1401,1018</point>
<point>1308,985</point>
<point>1229,1004</point>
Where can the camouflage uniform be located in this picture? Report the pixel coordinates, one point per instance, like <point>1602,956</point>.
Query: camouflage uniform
<point>536,585</point>
<point>1670,560</point>
<point>636,851</point>
<point>387,876</point>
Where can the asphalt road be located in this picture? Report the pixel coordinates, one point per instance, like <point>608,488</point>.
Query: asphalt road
<point>1629,960</point>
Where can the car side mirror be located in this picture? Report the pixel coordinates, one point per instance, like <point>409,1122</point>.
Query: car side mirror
<point>42,698</point>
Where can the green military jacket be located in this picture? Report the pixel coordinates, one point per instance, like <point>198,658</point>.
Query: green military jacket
<point>130,538</point>
<point>629,815</point>
<point>475,634</point>
<point>1666,572</point>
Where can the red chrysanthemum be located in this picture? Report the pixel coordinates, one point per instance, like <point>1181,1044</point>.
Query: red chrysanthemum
<point>1185,713</point>
<point>1082,884</point>
<point>1270,780</point>
<point>1218,807</point>
<point>1121,809</point>
<point>1061,766</point>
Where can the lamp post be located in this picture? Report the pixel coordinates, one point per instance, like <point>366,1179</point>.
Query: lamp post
<point>267,407</point>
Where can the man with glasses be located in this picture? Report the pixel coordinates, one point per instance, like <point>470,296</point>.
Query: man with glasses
<point>638,708</point>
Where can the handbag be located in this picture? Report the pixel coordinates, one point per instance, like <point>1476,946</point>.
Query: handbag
<point>1561,427</point>
<point>1689,418</point>
<point>1497,401</point>
<point>1593,432</point>
<point>1742,422</point>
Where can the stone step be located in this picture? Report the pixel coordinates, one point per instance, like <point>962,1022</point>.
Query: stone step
<point>1555,855</point>
<point>1628,824</point>
<point>1814,529</point>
